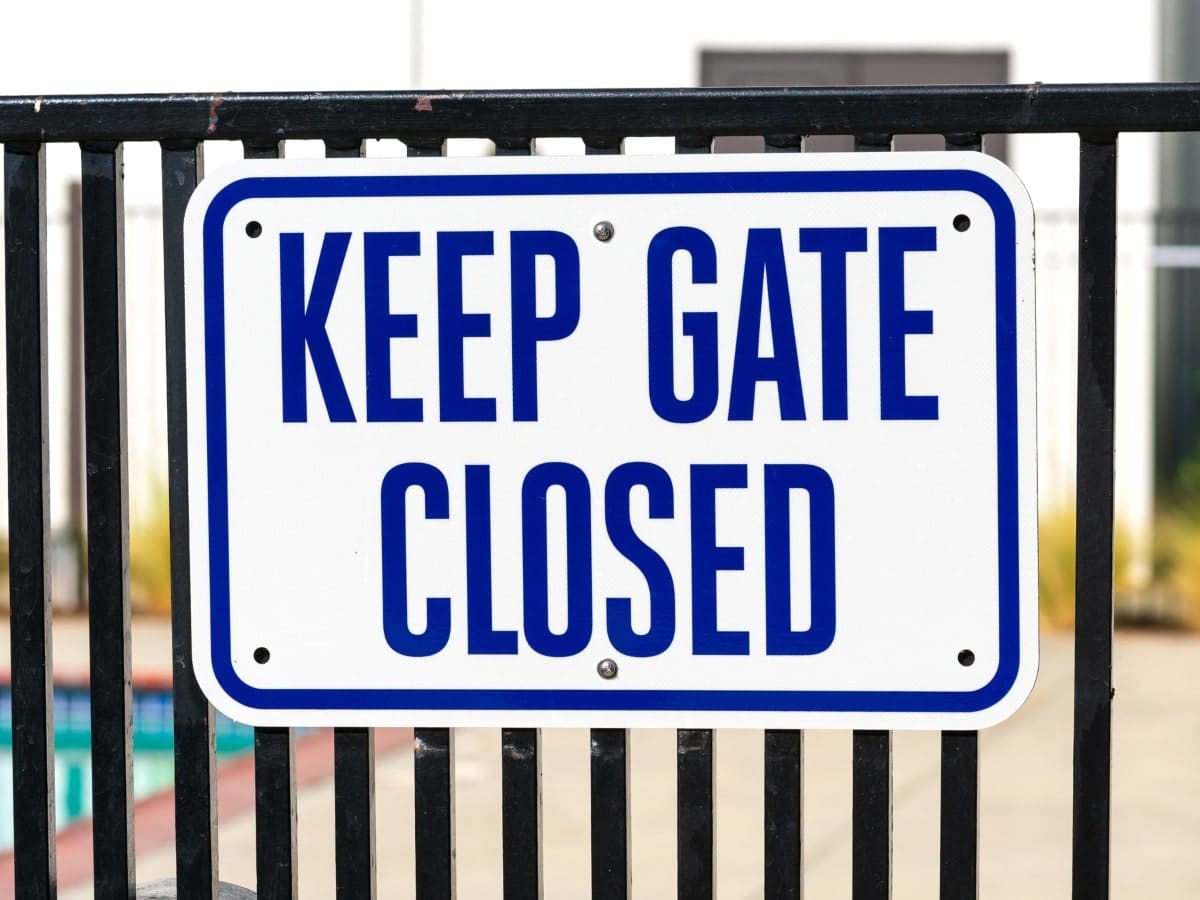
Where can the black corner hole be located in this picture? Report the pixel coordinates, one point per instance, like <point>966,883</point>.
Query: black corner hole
<point>262,654</point>
<point>966,657</point>
<point>254,229</point>
<point>961,222</point>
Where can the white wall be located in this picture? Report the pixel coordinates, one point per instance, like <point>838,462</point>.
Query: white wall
<point>475,44</point>
<point>472,44</point>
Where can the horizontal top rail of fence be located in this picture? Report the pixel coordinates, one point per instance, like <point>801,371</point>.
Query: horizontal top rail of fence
<point>1099,109</point>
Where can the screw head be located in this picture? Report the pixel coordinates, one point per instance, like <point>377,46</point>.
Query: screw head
<point>606,668</point>
<point>603,231</point>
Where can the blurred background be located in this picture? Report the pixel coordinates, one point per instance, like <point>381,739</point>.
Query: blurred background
<point>143,47</point>
<point>534,44</point>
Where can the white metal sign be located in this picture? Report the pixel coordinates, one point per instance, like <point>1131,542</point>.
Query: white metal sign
<point>691,441</point>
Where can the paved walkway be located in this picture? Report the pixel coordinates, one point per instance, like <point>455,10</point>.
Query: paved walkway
<point>1025,801</point>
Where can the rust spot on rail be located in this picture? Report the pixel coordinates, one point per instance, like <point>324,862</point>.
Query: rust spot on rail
<point>425,102</point>
<point>217,100</point>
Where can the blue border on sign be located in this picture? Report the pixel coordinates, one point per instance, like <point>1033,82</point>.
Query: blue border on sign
<point>500,185</point>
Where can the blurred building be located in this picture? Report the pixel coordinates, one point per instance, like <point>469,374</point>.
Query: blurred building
<point>1177,286</point>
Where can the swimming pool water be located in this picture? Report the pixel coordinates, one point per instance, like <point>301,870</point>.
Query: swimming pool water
<point>153,756</point>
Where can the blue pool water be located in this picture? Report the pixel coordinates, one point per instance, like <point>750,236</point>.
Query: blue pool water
<point>153,759</point>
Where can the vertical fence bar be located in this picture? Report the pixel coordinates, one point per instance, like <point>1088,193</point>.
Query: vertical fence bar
<point>783,826</point>
<point>783,792</point>
<point>433,782</point>
<point>602,146</point>
<point>274,752</point>
<point>783,143</point>
<point>195,757</point>
<point>344,148</point>
<point>521,760</point>
<point>521,802</point>
<point>611,867</point>
<point>696,870</point>
<point>690,143</point>
<point>959,832</point>
<point>871,828</point>
<point>872,142</point>
<point>433,759</point>
<point>1094,515</point>
<point>353,748</point>
<point>871,844</point>
<point>425,146</point>
<point>783,750</point>
<point>29,520</point>
<point>964,141</point>
<point>509,145</point>
<point>960,815</point>
<point>610,813</point>
<point>354,812</point>
<point>275,813</point>
<point>108,519</point>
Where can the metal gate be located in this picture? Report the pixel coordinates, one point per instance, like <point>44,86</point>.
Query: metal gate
<point>182,124</point>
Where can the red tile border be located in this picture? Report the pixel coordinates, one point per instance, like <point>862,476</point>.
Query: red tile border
<point>154,817</point>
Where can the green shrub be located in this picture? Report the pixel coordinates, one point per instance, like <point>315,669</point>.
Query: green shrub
<point>150,558</point>
<point>1177,564</point>
<point>1056,565</point>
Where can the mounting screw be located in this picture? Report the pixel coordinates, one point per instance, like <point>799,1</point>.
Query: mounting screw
<point>253,229</point>
<point>262,655</point>
<point>606,668</point>
<point>961,222</point>
<point>966,658</point>
<point>603,232</point>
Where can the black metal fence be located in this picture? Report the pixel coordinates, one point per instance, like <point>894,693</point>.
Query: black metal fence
<point>181,125</point>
